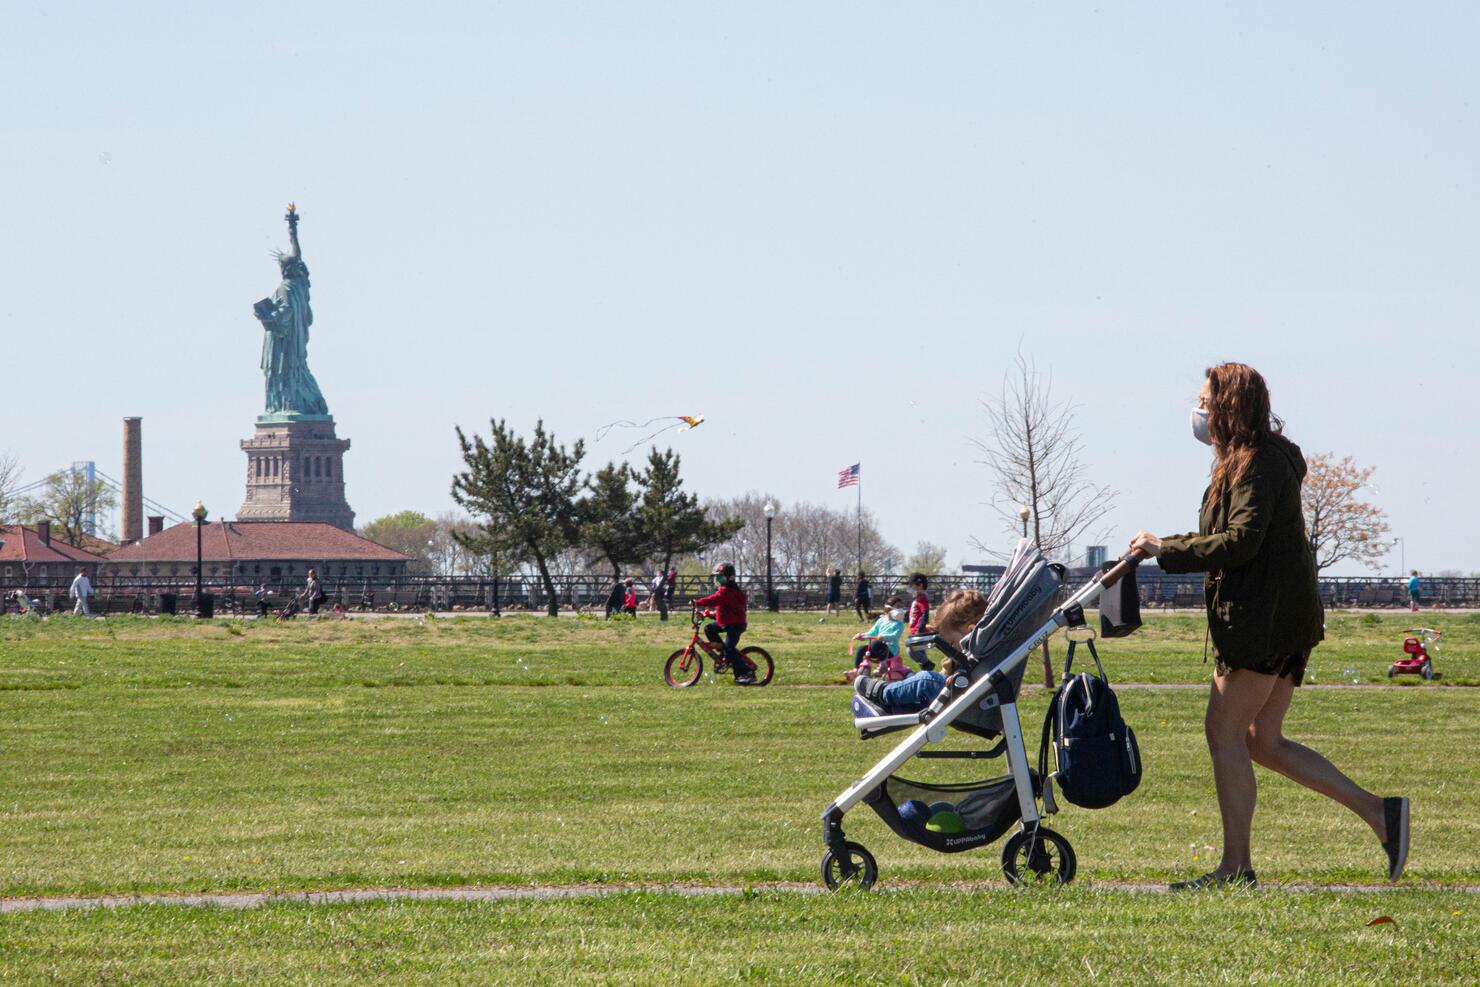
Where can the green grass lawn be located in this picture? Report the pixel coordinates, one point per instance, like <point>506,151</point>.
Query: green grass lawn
<point>1072,935</point>
<point>172,756</point>
<point>526,650</point>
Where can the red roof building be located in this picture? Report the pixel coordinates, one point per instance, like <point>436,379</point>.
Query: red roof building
<point>30,553</point>
<point>258,551</point>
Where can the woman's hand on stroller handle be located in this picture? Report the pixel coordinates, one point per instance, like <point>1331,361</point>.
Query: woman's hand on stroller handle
<point>1127,562</point>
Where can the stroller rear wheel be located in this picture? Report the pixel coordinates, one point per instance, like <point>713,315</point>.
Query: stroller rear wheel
<point>676,674</point>
<point>1037,857</point>
<point>859,870</point>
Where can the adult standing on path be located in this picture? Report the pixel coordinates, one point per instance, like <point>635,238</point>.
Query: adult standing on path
<point>1415,597</point>
<point>834,593</point>
<point>80,591</point>
<point>1264,617</point>
<point>313,592</point>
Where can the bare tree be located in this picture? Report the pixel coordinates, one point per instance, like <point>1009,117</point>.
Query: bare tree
<point>10,478</point>
<point>1341,526</point>
<point>806,539</point>
<point>929,559</point>
<point>1035,456</point>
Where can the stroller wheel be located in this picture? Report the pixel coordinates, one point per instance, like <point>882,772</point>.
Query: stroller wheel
<point>859,870</point>
<point>676,675</point>
<point>1038,858</point>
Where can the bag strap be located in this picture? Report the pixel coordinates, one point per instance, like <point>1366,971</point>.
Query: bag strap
<point>1048,721</point>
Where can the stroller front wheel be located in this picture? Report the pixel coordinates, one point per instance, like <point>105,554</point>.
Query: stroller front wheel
<point>859,870</point>
<point>1038,857</point>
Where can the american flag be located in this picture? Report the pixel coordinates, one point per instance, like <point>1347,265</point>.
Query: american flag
<point>848,477</point>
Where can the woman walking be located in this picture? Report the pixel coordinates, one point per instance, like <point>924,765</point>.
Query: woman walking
<point>1264,617</point>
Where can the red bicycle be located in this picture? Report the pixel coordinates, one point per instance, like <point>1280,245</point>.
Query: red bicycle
<point>686,665</point>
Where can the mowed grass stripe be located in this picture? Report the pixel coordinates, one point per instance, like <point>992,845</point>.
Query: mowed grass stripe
<point>523,650</point>
<point>916,937</point>
<point>292,786</point>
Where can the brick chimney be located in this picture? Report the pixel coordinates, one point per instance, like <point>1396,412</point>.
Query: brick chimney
<point>43,529</point>
<point>133,480</point>
<point>156,524</point>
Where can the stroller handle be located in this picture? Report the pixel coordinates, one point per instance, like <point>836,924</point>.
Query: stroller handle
<point>1127,562</point>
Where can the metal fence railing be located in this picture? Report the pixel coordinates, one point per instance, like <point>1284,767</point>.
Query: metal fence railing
<point>155,594</point>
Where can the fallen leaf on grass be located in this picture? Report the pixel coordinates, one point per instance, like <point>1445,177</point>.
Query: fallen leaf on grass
<point>1383,920</point>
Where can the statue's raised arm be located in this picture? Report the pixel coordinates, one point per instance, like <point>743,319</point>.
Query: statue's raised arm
<point>292,217</point>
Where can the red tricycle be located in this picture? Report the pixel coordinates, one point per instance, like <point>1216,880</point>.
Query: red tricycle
<point>1416,659</point>
<point>686,665</point>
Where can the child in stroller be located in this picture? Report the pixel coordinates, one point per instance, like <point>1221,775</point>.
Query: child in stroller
<point>881,696</point>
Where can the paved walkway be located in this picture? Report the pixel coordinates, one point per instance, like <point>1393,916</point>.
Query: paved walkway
<point>555,892</point>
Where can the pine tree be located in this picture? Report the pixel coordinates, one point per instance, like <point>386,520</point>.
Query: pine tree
<point>523,496</point>
<point>672,521</point>
<point>611,526</point>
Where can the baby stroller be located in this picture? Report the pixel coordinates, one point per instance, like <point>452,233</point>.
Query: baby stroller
<point>290,609</point>
<point>979,699</point>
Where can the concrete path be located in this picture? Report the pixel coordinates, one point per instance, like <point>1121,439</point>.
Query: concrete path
<point>556,892</point>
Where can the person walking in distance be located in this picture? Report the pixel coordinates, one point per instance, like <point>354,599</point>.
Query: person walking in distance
<point>1415,597</point>
<point>863,602</point>
<point>80,591</point>
<point>1264,616</point>
<point>313,592</point>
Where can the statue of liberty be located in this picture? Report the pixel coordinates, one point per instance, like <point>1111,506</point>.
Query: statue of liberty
<point>292,393</point>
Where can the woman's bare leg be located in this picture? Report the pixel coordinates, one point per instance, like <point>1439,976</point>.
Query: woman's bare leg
<point>1233,703</point>
<point>1269,746</point>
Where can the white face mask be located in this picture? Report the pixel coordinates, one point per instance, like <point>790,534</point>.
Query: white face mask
<point>896,615</point>
<point>1200,426</point>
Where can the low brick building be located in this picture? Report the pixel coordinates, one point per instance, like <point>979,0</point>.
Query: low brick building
<point>31,558</point>
<point>251,552</point>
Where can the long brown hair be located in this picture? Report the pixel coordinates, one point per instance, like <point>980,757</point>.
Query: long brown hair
<point>1239,420</point>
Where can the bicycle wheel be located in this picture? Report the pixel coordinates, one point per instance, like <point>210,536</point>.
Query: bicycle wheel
<point>683,668</point>
<point>764,666</point>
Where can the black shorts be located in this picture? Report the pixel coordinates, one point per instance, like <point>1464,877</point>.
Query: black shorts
<point>1291,667</point>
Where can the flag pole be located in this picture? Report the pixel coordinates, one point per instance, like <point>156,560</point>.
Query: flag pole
<point>860,515</point>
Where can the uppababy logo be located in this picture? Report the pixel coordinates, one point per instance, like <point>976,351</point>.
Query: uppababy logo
<point>967,840</point>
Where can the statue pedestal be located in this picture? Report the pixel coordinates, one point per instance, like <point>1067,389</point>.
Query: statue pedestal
<point>295,472</point>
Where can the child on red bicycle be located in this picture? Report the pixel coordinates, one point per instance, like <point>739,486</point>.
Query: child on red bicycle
<point>729,620</point>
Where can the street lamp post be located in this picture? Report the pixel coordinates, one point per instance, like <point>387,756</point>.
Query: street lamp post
<point>199,513</point>
<point>1402,556</point>
<point>1023,516</point>
<point>772,603</point>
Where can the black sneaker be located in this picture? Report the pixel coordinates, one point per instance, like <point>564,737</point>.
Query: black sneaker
<point>870,688</point>
<point>745,678</point>
<point>1243,879</point>
<point>1395,814</point>
<point>926,665</point>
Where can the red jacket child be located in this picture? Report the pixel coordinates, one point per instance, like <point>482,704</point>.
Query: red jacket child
<point>729,605</point>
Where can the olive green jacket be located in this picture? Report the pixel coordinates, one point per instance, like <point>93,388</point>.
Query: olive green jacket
<point>1260,587</point>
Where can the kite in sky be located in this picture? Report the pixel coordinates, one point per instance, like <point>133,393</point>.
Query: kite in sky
<point>682,423</point>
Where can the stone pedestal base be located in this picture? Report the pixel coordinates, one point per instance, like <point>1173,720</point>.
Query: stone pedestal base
<point>295,472</point>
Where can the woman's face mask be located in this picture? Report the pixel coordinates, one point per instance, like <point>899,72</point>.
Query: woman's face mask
<point>1200,431</point>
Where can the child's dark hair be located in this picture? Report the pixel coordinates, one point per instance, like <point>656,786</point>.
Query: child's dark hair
<point>894,601</point>
<point>920,579</point>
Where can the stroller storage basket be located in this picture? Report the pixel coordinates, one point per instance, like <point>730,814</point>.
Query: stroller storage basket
<point>988,808</point>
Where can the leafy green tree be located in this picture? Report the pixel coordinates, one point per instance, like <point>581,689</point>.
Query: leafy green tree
<point>408,532</point>
<point>611,526</point>
<point>673,522</point>
<point>67,499</point>
<point>929,558</point>
<point>523,496</point>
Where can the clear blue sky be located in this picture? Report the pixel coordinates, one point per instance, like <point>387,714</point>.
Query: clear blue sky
<point>824,226</point>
